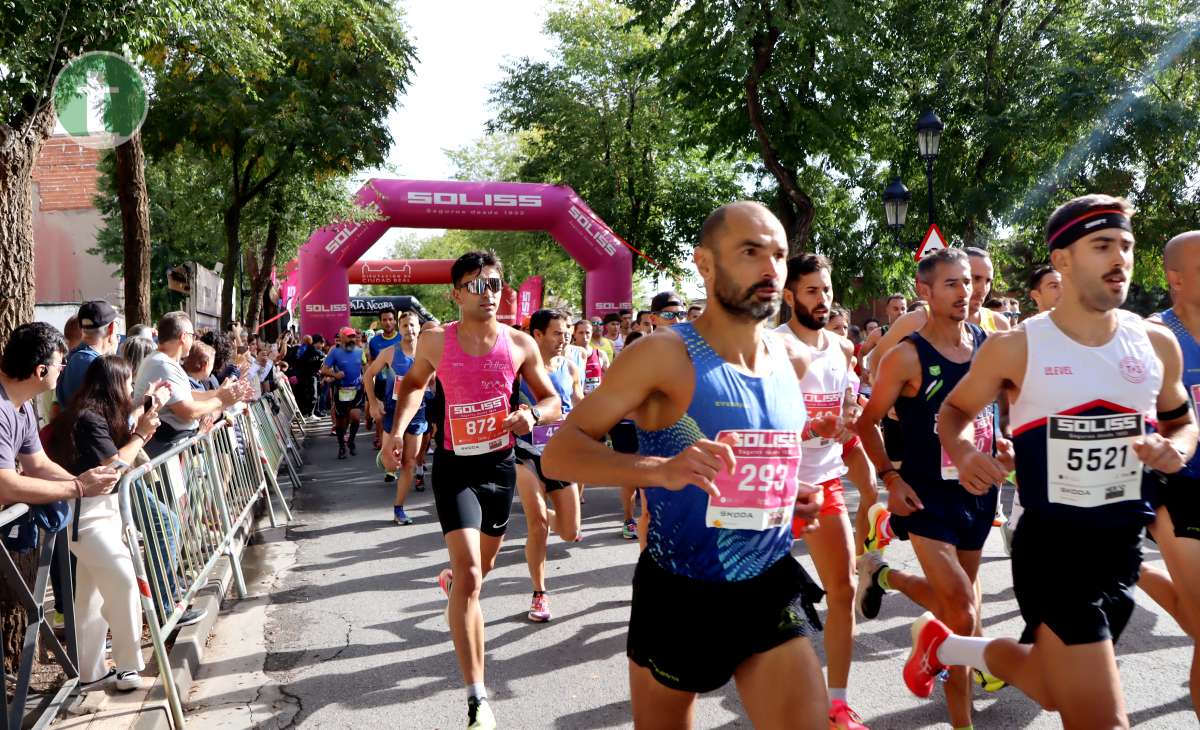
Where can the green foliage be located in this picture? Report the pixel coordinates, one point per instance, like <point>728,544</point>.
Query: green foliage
<point>598,118</point>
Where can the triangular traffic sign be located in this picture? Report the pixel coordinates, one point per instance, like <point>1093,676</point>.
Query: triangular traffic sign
<point>932,242</point>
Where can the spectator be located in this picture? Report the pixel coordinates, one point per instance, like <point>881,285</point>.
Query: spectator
<point>180,418</point>
<point>72,332</point>
<point>98,322</point>
<point>95,430</point>
<point>141,330</point>
<point>309,357</point>
<point>135,349</point>
<point>262,371</point>
<point>30,366</point>
<point>199,366</point>
<point>223,367</point>
<point>839,321</point>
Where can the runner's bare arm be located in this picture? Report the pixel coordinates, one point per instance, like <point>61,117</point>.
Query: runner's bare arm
<point>577,453</point>
<point>903,327</point>
<point>898,366</point>
<point>576,382</point>
<point>999,365</point>
<point>533,371</point>
<point>376,367</point>
<point>1172,446</point>
<point>410,390</point>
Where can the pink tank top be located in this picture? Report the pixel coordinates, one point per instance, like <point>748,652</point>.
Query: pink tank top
<point>478,391</point>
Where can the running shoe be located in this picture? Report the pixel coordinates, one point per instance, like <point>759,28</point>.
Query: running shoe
<point>878,530</point>
<point>479,714</point>
<point>191,616</point>
<point>999,520</point>
<point>987,682</point>
<point>445,580</point>
<point>341,452</point>
<point>868,596</point>
<point>389,477</point>
<point>539,610</point>
<point>922,668</point>
<point>400,517</point>
<point>1006,534</point>
<point>58,622</point>
<point>629,529</point>
<point>841,717</point>
<point>353,451</point>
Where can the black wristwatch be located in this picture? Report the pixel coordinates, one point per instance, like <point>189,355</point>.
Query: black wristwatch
<point>537,415</point>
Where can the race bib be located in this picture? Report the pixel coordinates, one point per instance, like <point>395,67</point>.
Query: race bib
<point>985,438</point>
<point>760,494</point>
<point>821,405</point>
<point>1195,389</point>
<point>541,435</point>
<point>477,428</point>
<point>347,394</point>
<point>1091,460</point>
<point>590,384</point>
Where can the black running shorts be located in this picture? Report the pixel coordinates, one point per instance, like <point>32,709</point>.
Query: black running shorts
<point>474,492</point>
<point>1181,496</point>
<point>1083,600</point>
<point>952,515</point>
<point>893,439</point>
<point>525,455</point>
<point>343,407</point>
<point>672,631</point>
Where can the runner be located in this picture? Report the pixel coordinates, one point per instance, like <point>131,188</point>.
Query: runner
<point>1176,526</point>
<point>667,310</point>
<point>594,337</point>
<point>591,360</point>
<point>946,524</point>
<point>624,440</point>
<point>808,291</point>
<point>476,361</point>
<point>382,382</point>
<point>694,312</point>
<point>549,330</point>
<point>344,365</point>
<point>1085,380</point>
<point>1045,288</point>
<point>895,308</point>
<point>712,602</point>
<point>398,360</point>
<point>645,322</point>
<point>613,333</point>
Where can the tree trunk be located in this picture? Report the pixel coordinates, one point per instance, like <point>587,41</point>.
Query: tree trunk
<point>18,151</point>
<point>233,248</point>
<point>135,228</point>
<point>262,276</point>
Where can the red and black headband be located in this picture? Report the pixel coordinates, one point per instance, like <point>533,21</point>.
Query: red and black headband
<point>1089,221</point>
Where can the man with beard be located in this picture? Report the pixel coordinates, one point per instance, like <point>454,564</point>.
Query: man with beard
<point>716,593</point>
<point>1088,381</point>
<point>827,394</point>
<point>946,524</point>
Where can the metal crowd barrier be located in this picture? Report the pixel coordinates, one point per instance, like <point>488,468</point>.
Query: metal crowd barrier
<point>187,508</point>
<point>50,548</point>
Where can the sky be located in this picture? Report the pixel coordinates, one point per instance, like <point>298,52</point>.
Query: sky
<point>461,48</point>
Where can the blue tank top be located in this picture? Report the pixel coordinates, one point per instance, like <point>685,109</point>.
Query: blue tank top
<point>564,385</point>
<point>1191,376</point>
<point>401,364</point>
<point>724,398</point>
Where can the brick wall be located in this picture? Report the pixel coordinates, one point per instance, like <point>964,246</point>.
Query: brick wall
<point>66,175</point>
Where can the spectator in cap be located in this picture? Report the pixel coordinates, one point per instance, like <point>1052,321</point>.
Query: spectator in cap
<point>98,321</point>
<point>667,309</point>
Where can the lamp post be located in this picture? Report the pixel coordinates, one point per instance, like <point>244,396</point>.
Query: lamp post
<point>929,138</point>
<point>896,198</point>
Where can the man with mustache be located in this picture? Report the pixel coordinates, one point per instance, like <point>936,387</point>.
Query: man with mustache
<point>946,524</point>
<point>808,290</point>
<point>1087,382</point>
<point>718,407</point>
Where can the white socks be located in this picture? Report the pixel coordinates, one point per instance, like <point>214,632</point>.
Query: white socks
<point>964,651</point>
<point>476,690</point>
<point>837,693</point>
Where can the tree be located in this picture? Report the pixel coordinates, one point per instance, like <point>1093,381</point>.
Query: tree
<point>320,111</point>
<point>598,118</point>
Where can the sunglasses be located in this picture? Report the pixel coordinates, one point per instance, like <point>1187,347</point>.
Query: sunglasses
<point>479,286</point>
<point>673,316</point>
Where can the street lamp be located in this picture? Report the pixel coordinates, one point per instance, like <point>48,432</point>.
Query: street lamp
<point>929,139</point>
<point>895,206</point>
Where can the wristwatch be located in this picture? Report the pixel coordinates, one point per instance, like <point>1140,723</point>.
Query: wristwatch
<point>537,415</point>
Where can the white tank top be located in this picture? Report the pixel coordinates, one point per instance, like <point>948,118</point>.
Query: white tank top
<point>824,386</point>
<point>1078,412</point>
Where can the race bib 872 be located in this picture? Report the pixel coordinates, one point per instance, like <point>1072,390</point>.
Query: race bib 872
<point>1090,459</point>
<point>478,428</point>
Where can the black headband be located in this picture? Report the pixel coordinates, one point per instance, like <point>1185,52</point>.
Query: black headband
<point>1090,221</point>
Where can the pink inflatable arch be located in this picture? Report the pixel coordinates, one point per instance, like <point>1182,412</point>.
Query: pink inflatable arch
<point>330,252</point>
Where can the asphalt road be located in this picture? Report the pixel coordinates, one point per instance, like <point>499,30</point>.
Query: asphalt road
<point>353,635</point>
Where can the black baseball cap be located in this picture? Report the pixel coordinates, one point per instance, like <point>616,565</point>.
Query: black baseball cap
<point>665,299</point>
<point>96,314</point>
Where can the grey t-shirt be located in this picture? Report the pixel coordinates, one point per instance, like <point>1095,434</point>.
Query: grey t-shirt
<point>159,366</point>
<point>18,431</point>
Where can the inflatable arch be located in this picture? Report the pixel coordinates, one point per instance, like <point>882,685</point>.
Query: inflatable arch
<point>326,259</point>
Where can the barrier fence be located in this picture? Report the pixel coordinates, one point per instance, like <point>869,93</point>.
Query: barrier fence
<point>181,512</point>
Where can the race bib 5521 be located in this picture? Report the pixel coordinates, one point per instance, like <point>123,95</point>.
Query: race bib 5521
<point>1091,461</point>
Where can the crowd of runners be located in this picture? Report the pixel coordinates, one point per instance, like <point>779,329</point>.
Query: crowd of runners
<point>1089,409</point>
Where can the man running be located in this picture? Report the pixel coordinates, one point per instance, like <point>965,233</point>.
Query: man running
<point>476,362</point>
<point>384,378</point>
<point>808,291</point>
<point>549,330</point>
<point>1085,380</point>
<point>1045,288</point>
<point>593,360</point>
<point>613,333</point>
<point>895,308</point>
<point>398,360</point>
<point>345,365</point>
<point>716,593</point>
<point>946,524</point>
<point>590,333</point>
<point>667,310</point>
<point>645,322</point>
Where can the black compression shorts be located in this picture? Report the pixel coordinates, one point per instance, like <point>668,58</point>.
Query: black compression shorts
<point>474,492</point>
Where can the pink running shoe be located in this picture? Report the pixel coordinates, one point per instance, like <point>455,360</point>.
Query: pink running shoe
<point>539,610</point>
<point>445,580</point>
<point>841,717</point>
<point>922,668</point>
